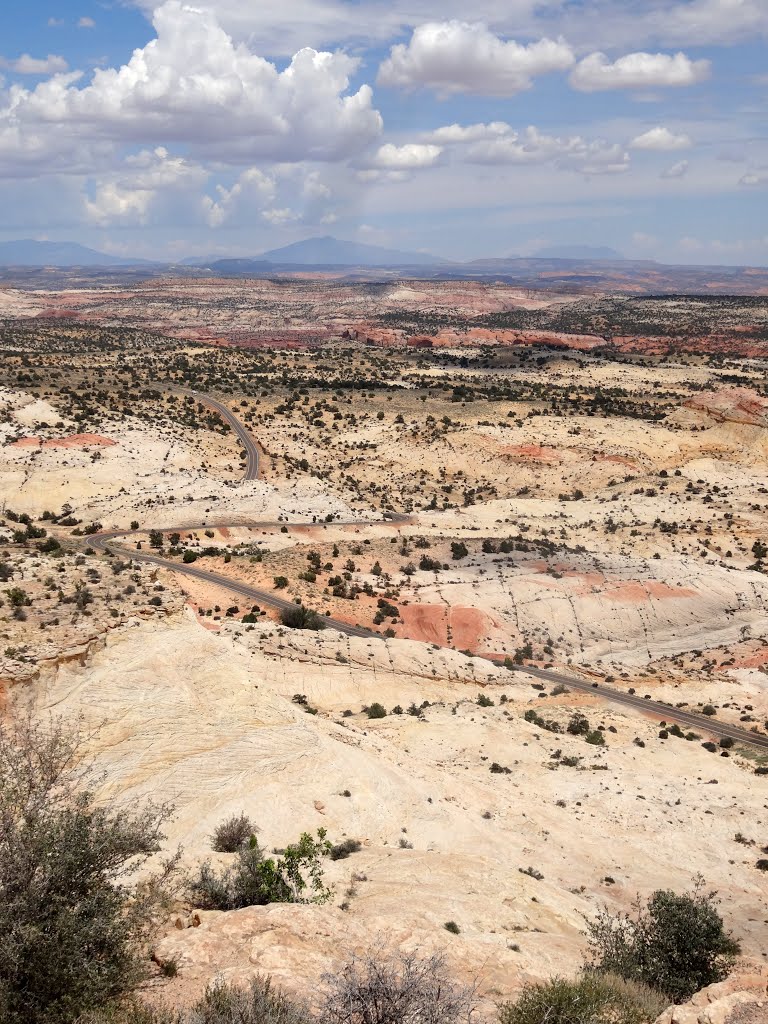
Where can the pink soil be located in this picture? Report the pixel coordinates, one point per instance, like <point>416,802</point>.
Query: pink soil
<point>73,441</point>
<point>627,592</point>
<point>429,623</point>
<point>531,453</point>
<point>739,405</point>
<point>640,593</point>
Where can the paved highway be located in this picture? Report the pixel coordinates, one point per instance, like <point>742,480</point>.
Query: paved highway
<point>661,711</point>
<point>251,448</point>
<point>103,541</point>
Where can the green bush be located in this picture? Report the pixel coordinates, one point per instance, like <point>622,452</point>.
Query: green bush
<point>677,943</point>
<point>589,999</point>
<point>342,850</point>
<point>300,617</point>
<point>255,880</point>
<point>376,710</point>
<point>73,927</point>
<point>232,834</point>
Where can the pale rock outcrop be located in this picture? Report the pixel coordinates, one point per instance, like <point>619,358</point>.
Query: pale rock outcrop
<point>740,999</point>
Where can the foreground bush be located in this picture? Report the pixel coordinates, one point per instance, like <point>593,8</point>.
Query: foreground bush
<point>590,999</point>
<point>233,833</point>
<point>677,943</point>
<point>72,929</point>
<point>221,1004</point>
<point>259,1004</point>
<point>399,988</point>
<point>255,880</point>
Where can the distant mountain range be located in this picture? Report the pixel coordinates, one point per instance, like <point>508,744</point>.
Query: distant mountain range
<point>325,251</point>
<point>26,252</point>
<point>578,252</point>
<point>328,251</point>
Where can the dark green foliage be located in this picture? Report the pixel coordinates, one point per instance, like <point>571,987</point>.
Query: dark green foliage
<point>676,942</point>
<point>343,849</point>
<point>255,880</point>
<point>452,927</point>
<point>300,617</point>
<point>589,999</point>
<point>376,710</point>
<point>72,927</point>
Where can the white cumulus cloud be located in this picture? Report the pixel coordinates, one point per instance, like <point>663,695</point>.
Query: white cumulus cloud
<point>26,65</point>
<point>410,157</point>
<point>193,84</point>
<point>454,57</point>
<point>458,133</point>
<point>638,71</point>
<point>571,153</point>
<point>662,139</point>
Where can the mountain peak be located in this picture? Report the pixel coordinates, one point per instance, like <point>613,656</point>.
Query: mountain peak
<point>326,250</point>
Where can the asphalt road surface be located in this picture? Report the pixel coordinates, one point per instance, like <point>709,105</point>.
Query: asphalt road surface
<point>251,448</point>
<point>269,599</point>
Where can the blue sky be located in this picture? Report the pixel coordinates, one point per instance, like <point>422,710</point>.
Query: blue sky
<point>165,129</point>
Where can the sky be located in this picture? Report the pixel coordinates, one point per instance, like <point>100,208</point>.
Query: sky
<point>167,129</point>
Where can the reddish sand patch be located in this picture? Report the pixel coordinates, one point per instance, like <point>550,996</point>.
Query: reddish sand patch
<point>531,453</point>
<point>737,405</point>
<point>756,660</point>
<point>633,592</point>
<point>464,628</point>
<point>73,441</point>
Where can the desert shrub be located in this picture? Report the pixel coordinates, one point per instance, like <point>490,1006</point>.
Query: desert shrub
<point>258,1004</point>
<point>255,880</point>
<point>589,999</point>
<point>376,710</point>
<point>233,833</point>
<point>222,1003</point>
<point>298,616</point>
<point>452,927</point>
<point>342,850</point>
<point>397,988</point>
<point>72,925</point>
<point>130,1012</point>
<point>677,943</point>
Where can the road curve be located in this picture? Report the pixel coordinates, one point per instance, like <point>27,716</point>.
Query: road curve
<point>101,542</point>
<point>251,448</point>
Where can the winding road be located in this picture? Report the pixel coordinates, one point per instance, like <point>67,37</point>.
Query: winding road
<point>251,447</point>
<point>104,540</point>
